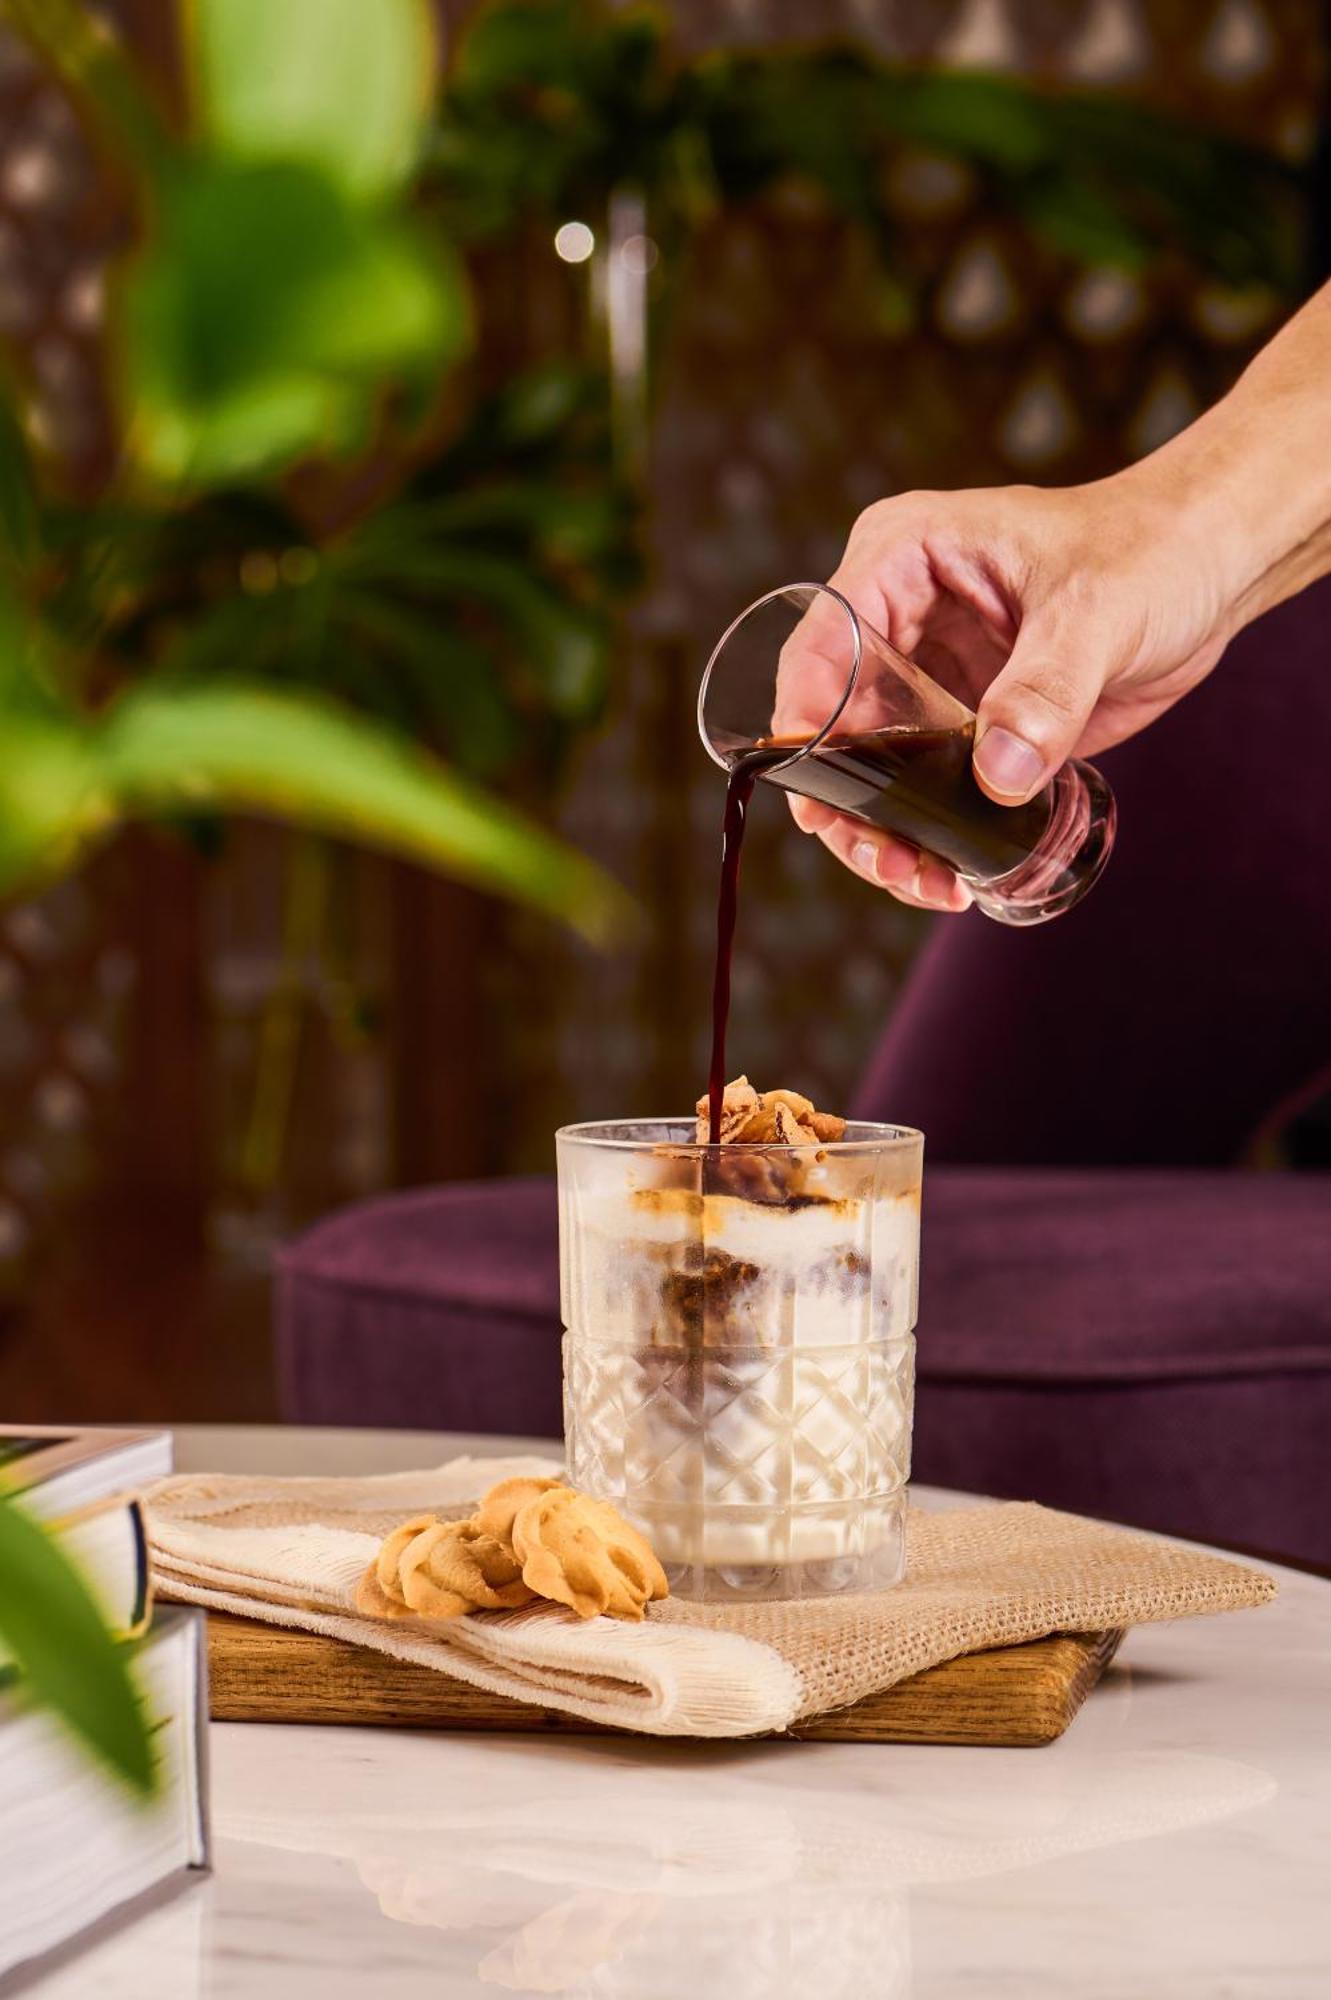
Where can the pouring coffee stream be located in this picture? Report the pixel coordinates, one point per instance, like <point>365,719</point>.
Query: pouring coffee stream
<point>927,773</point>
<point>743,776</point>
<point>918,783</point>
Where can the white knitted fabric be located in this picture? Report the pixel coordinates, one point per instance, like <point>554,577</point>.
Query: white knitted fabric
<point>291,1551</point>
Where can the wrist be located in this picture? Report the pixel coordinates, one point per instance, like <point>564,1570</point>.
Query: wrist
<point>1184,531</point>
<point>1197,496</point>
<point>1249,489</point>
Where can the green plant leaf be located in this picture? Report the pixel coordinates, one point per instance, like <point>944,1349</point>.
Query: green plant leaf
<point>540,400</point>
<point>342,85</point>
<point>30,696</point>
<point>266,316</point>
<point>237,749</point>
<point>446,678</point>
<point>70,1662</point>
<point>1076,218</point>
<point>563,650</point>
<point>996,119</point>
<point>53,802</point>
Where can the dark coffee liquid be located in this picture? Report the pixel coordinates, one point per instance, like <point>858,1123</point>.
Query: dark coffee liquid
<point>917,783</point>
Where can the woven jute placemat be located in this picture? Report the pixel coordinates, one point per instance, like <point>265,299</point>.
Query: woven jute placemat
<point>291,1552</point>
<point>990,1575</point>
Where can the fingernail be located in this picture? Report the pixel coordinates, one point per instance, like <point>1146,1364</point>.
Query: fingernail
<point>895,867</point>
<point>936,884</point>
<point>864,859</point>
<point>1007,763</point>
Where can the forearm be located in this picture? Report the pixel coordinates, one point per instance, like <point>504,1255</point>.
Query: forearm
<point>1251,479</point>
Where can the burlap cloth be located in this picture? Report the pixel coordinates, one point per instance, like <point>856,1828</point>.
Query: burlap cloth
<point>291,1551</point>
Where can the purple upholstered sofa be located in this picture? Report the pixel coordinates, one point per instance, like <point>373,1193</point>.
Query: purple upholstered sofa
<point>1117,1314</point>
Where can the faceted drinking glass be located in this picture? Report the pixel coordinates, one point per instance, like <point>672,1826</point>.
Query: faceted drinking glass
<point>739,1349</point>
<point>866,730</point>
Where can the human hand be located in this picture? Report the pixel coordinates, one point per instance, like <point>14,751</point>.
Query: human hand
<point>1067,618</point>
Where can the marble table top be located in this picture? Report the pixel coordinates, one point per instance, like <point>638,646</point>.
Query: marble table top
<point>1176,1842</point>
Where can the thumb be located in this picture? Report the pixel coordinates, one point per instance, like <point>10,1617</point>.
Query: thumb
<point>1034,713</point>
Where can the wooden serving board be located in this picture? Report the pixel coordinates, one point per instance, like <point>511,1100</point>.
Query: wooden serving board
<point>1015,1695</point>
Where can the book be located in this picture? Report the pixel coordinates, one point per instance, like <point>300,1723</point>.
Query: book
<point>61,1470</point>
<point>83,1485</point>
<point>79,1851</point>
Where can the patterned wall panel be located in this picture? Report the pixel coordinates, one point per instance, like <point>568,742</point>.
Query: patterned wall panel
<point>66,979</point>
<point>782,410</point>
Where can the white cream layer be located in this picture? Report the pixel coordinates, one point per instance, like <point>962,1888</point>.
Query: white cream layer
<point>823,1274</point>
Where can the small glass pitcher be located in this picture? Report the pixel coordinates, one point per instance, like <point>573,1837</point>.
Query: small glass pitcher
<point>803,688</point>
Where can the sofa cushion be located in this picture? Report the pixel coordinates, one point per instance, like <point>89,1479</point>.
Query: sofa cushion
<point>434,1309</point>
<point>1152,1346</point>
<point>1109,1276</point>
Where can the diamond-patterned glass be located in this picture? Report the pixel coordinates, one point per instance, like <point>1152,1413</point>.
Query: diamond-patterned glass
<point>738,1374</point>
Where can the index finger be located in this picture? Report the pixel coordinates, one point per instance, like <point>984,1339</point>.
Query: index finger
<point>813,669</point>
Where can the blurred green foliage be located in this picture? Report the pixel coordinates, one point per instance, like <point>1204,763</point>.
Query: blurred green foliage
<point>280,82</point>
<point>55,1636</point>
<point>285,304</point>
<point>469,605</point>
<point>283,283</point>
<point>266,316</point>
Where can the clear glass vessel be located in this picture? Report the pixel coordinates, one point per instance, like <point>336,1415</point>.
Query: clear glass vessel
<point>803,689</point>
<point>739,1349</point>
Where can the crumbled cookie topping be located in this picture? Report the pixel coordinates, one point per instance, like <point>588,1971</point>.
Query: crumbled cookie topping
<point>769,1118</point>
